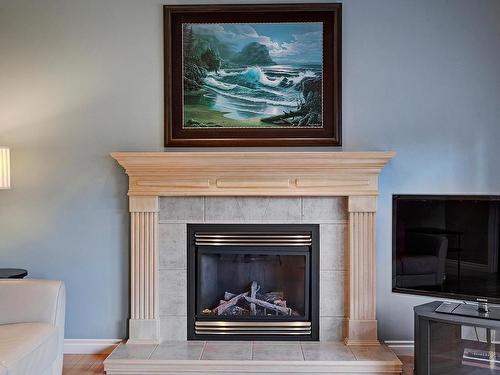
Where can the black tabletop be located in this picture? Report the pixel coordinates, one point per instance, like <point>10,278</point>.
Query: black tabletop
<point>12,273</point>
<point>428,311</point>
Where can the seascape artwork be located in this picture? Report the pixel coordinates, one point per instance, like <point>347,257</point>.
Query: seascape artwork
<point>252,75</point>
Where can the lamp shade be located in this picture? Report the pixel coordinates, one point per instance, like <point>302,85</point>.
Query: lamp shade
<point>4,168</point>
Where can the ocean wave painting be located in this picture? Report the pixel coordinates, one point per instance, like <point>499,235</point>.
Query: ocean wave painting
<point>258,75</point>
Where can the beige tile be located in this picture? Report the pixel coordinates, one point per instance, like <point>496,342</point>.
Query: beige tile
<point>227,350</point>
<point>277,351</point>
<point>332,293</point>
<point>333,246</point>
<point>132,351</point>
<point>178,350</point>
<point>332,328</point>
<point>173,328</point>
<point>173,246</point>
<point>327,351</point>
<point>324,209</point>
<point>252,209</point>
<point>373,353</point>
<point>181,209</point>
<point>173,292</point>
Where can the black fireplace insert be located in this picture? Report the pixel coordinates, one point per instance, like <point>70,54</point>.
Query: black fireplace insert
<point>255,281</point>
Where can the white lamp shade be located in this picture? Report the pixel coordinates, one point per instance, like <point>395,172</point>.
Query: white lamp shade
<point>4,168</point>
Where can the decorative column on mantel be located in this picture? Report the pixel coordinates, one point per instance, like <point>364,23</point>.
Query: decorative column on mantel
<point>348,174</point>
<point>144,323</point>
<point>362,325</point>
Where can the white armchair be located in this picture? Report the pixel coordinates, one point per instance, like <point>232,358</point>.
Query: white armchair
<point>31,327</point>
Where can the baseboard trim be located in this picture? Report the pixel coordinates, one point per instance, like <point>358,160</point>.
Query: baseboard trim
<point>90,346</point>
<point>401,347</point>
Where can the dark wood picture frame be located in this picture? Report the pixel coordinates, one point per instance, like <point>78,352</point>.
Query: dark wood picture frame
<point>328,135</point>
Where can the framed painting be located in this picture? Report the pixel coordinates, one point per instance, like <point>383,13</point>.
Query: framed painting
<point>253,75</point>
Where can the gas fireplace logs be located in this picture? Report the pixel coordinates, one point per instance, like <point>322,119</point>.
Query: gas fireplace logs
<point>252,303</point>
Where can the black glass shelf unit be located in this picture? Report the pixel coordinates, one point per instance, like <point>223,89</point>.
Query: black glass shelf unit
<point>455,344</point>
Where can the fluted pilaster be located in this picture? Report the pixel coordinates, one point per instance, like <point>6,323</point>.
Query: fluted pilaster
<point>362,325</point>
<point>144,322</point>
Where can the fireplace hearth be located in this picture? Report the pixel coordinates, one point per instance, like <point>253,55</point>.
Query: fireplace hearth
<point>250,281</point>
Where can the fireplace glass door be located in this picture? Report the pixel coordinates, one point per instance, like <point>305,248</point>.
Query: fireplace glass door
<point>252,281</point>
<point>261,284</point>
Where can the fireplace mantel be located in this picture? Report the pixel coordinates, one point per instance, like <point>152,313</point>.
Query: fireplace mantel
<point>350,174</point>
<point>252,173</point>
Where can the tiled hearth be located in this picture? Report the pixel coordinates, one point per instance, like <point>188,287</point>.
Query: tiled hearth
<point>336,190</point>
<point>254,357</point>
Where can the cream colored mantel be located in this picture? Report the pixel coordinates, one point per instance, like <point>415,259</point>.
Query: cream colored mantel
<point>156,174</point>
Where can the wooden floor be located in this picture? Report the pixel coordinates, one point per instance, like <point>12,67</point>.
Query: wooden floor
<point>407,364</point>
<point>91,364</point>
<point>83,364</point>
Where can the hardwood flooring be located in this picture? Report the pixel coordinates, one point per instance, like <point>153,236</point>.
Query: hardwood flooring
<point>83,364</point>
<point>91,364</point>
<point>407,364</point>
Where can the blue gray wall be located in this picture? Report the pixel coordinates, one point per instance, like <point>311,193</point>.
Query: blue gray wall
<point>81,78</point>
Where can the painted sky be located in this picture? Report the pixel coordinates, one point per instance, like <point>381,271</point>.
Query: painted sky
<point>287,42</point>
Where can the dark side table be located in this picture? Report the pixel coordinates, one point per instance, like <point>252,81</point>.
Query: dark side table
<point>13,273</point>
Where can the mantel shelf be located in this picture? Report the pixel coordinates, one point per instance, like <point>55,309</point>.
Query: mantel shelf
<point>252,173</point>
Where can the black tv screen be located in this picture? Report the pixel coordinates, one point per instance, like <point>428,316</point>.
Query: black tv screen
<point>446,246</point>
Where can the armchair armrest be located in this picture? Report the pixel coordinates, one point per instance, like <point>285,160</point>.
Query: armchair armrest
<point>29,300</point>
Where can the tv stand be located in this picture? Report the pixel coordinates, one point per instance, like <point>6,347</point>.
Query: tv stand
<point>479,310</point>
<point>449,343</point>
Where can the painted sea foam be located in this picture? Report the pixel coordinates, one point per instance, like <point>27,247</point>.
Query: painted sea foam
<point>257,92</point>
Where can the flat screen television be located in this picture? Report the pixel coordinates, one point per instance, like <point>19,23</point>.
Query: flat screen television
<point>447,246</point>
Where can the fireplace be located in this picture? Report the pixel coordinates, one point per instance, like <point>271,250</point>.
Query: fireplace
<point>253,281</point>
<point>169,190</point>
<point>158,313</point>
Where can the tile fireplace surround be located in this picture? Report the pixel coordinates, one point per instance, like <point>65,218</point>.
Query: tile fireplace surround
<point>168,190</point>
